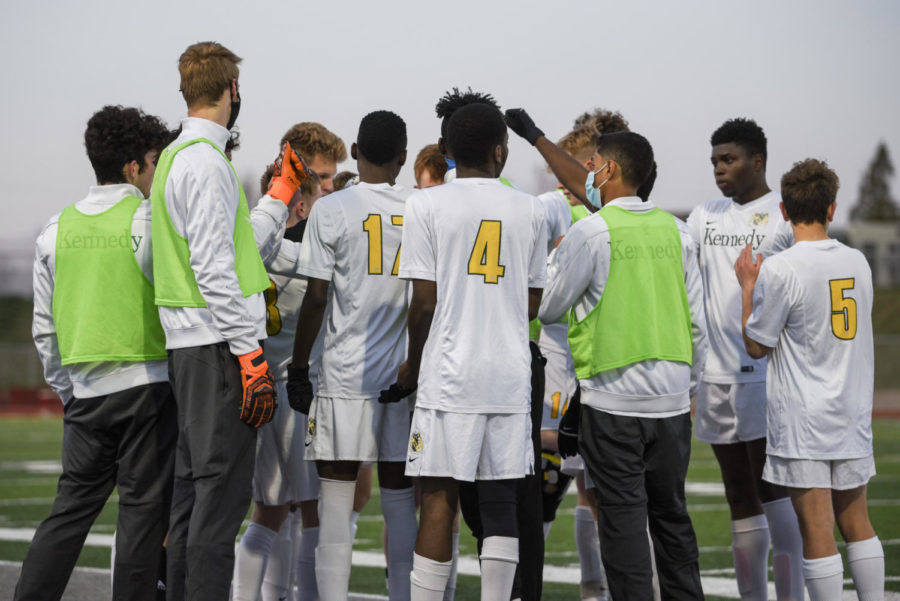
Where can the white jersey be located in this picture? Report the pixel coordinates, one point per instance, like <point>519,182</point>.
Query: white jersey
<point>353,240</point>
<point>813,304</point>
<point>721,229</point>
<point>485,245</point>
<point>558,215</point>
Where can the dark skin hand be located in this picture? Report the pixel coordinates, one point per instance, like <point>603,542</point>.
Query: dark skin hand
<point>421,312</point>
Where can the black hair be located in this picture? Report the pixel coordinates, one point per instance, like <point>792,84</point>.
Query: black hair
<point>743,132</point>
<point>807,191</point>
<point>454,99</point>
<point>116,135</point>
<point>631,151</point>
<point>644,190</point>
<point>473,132</point>
<point>234,141</point>
<point>381,137</point>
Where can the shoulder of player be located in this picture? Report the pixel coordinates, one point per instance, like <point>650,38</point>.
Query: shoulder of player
<point>716,206</point>
<point>588,228</point>
<point>201,160</point>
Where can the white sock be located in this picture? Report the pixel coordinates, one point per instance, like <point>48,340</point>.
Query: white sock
<point>250,561</point>
<point>824,578</point>
<point>547,526</point>
<point>450,589</point>
<point>428,579</point>
<point>307,589</point>
<point>750,547</point>
<point>354,517</point>
<point>112,559</point>
<point>499,558</point>
<point>787,549</point>
<point>296,521</point>
<point>587,543</point>
<point>399,510</point>
<point>866,561</point>
<point>334,553</point>
<point>277,579</point>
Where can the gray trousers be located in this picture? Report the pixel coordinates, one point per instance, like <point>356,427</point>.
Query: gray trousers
<point>639,465</point>
<point>213,472</point>
<point>125,440</point>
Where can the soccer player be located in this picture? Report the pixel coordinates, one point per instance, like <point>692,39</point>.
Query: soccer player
<point>104,355</point>
<point>430,167</point>
<point>731,399</point>
<point>633,263</point>
<point>475,251</point>
<point>810,308</point>
<point>284,486</point>
<point>209,278</point>
<point>350,255</point>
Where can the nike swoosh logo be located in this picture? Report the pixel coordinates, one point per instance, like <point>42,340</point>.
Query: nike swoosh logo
<point>411,459</point>
<point>710,222</point>
<point>306,444</point>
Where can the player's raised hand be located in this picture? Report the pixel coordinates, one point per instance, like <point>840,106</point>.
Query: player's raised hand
<point>290,171</point>
<point>520,122</point>
<point>746,269</point>
<point>299,389</point>
<point>258,401</point>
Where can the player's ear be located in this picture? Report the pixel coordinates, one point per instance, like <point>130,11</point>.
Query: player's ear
<point>783,211</point>
<point>402,159</point>
<point>831,209</point>
<point>130,171</point>
<point>354,153</point>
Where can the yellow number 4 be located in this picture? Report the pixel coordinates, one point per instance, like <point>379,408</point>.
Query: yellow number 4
<point>843,309</point>
<point>485,257</point>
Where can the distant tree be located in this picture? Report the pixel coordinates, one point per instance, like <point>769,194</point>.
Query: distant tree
<point>875,202</point>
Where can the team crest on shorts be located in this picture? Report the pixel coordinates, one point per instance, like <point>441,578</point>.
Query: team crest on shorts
<point>311,426</point>
<point>415,442</point>
<point>759,219</point>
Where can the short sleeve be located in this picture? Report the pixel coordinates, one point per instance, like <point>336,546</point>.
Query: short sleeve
<point>771,306</point>
<point>537,266</point>
<point>418,253</point>
<point>319,242</point>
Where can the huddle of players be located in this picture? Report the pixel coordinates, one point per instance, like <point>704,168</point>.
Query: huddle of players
<point>475,252</point>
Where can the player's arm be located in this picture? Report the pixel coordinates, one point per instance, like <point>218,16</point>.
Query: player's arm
<point>309,322</point>
<point>534,302</point>
<point>421,312</point>
<point>566,168</point>
<point>694,288</point>
<point>569,273</point>
<point>747,273</point>
<point>43,329</point>
<point>269,215</point>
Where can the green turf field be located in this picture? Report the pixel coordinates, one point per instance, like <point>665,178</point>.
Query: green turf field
<point>26,492</point>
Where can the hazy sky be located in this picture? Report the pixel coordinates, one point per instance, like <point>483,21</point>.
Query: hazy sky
<point>821,77</point>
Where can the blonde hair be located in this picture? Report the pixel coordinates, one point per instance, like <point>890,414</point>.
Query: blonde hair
<point>206,69</point>
<point>309,139</point>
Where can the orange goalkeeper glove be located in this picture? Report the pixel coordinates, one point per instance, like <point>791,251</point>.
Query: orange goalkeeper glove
<point>258,402</point>
<point>290,171</point>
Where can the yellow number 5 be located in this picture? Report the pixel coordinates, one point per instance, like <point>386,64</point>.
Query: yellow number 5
<point>485,257</point>
<point>843,309</point>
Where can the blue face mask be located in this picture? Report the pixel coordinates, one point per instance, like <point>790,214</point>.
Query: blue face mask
<point>592,193</point>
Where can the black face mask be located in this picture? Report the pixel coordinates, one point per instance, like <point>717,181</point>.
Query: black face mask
<point>235,110</point>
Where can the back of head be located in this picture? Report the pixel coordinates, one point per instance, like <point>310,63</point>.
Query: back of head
<point>579,143</point>
<point>309,139</point>
<point>381,137</point>
<point>744,133</point>
<point>631,151</point>
<point>431,161</point>
<point>807,191</point>
<point>206,69</point>
<point>601,121</point>
<point>344,179</point>
<point>453,100</point>
<point>473,132</point>
<point>116,135</point>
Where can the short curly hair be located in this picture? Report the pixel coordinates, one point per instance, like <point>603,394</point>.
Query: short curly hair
<point>454,99</point>
<point>743,132</point>
<point>601,121</point>
<point>807,191</point>
<point>117,135</point>
<point>579,143</point>
<point>381,137</point>
<point>309,139</point>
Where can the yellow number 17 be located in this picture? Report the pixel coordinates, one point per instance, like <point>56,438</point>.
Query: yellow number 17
<point>372,226</point>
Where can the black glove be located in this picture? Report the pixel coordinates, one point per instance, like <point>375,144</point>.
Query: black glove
<point>395,393</point>
<point>567,442</point>
<point>519,121</point>
<point>299,389</point>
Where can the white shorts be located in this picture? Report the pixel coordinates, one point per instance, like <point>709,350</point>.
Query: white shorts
<point>730,413</point>
<point>281,476</point>
<point>357,430</point>
<point>836,474</point>
<point>470,446</point>
<point>559,386</point>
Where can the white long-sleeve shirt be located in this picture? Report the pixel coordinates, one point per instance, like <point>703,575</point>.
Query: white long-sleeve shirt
<point>85,380</point>
<point>576,278</point>
<point>201,197</point>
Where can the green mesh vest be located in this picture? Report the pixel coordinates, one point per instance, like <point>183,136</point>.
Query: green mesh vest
<point>103,307</point>
<point>176,285</point>
<point>643,313</point>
